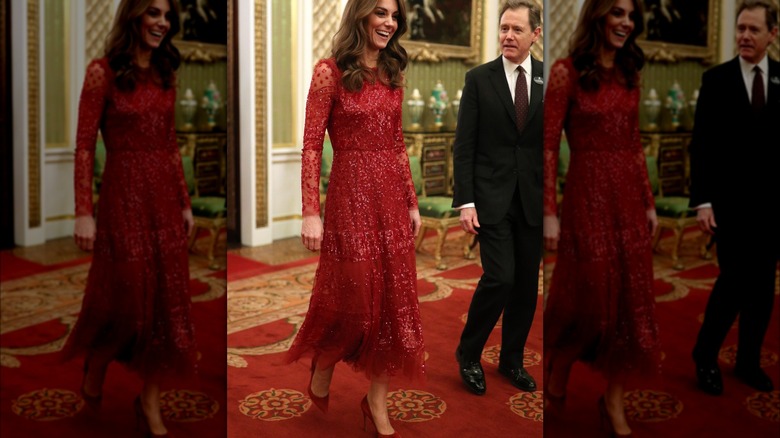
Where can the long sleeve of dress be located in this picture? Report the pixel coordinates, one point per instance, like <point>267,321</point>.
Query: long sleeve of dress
<point>322,93</point>
<point>556,108</point>
<point>91,106</point>
<point>641,162</point>
<point>176,163</point>
<point>403,160</point>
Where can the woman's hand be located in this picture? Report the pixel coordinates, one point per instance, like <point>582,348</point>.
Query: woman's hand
<point>414,216</point>
<point>552,232</point>
<point>652,221</point>
<point>84,232</point>
<point>189,222</point>
<point>311,232</point>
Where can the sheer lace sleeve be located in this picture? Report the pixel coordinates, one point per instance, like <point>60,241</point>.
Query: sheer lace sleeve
<point>175,160</point>
<point>556,109</point>
<point>403,158</point>
<point>641,160</point>
<point>91,105</point>
<point>322,93</point>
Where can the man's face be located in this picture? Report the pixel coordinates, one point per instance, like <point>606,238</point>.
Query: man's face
<point>753,37</point>
<point>515,35</point>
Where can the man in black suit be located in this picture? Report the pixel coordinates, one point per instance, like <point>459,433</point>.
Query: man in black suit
<point>498,189</point>
<point>734,159</point>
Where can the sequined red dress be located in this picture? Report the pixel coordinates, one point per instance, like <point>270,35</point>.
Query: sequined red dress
<point>136,305</point>
<point>600,304</point>
<point>364,307</point>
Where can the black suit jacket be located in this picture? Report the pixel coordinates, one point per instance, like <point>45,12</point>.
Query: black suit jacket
<point>491,158</point>
<point>735,153</point>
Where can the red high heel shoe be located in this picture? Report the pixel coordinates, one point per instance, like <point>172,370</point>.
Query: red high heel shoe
<point>142,422</point>
<point>92,401</point>
<point>320,402</point>
<point>553,404</point>
<point>368,415</point>
<point>606,421</point>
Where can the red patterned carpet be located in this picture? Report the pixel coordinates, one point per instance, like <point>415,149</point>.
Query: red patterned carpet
<point>671,406</point>
<point>268,398</point>
<point>40,396</point>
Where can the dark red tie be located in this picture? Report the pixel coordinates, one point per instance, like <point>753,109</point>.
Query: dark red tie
<point>758,91</point>
<point>521,99</point>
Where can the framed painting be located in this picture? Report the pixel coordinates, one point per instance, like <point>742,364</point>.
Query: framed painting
<point>443,29</point>
<point>204,34</point>
<point>680,29</point>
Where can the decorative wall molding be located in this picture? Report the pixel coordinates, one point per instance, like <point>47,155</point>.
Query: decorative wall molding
<point>33,114</point>
<point>327,16</point>
<point>537,49</point>
<point>99,15</point>
<point>563,20</point>
<point>261,123</point>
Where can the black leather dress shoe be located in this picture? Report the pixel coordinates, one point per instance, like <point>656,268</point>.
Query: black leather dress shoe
<point>710,380</point>
<point>519,377</point>
<point>755,378</point>
<point>471,373</point>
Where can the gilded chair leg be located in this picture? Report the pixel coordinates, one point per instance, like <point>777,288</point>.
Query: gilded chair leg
<point>192,238</point>
<point>467,252</point>
<point>442,232</point>
<point>656,238</point>
<point>678,233</point>
<point>704,249</point>
<point>420,238</point>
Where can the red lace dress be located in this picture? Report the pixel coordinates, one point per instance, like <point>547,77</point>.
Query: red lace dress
<point>600,304</point>
<point>364,307</point>
<point>136,305</point>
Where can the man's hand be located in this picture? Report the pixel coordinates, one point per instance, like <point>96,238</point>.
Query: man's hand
<point>84,232</point>
<point>706,219</point>
<point>468,220</point>
<point>414,217</point>
<point>552,232</point>
<point>311,232</point>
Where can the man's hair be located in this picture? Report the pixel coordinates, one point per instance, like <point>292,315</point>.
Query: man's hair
<point>769,8</point>
<point>534,13</point>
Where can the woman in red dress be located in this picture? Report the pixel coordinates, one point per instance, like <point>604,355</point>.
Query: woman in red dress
<point>364,309</point>
<point>600,307</point>
<point>136,306</point>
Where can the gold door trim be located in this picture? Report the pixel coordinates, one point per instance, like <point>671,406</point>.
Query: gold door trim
<point>261,96</point>
<point>33,114</point>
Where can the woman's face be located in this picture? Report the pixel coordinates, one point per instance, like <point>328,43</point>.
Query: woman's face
<point>619,23</point>
<point>155,23</point>
<point>382,23</point>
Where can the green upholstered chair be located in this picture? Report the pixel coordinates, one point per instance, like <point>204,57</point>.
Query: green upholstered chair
<point>564,158</point>
<point>325,168</point>
<point>97,170</point>
<point>436,212</point>
<point>209,212</point>
<point>673,213</point>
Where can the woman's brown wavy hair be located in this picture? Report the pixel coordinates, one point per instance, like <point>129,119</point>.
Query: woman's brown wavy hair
<point>351,40</point>
<point>125,40</point>
<point>589,38</point>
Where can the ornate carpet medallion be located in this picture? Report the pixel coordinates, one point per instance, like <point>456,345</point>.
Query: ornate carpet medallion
<point>274,404</point>
<point>414,406</point>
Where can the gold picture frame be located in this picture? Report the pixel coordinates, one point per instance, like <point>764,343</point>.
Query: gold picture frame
<point>196,41</point>
<point>426,39</point>
<point>673,34</point>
